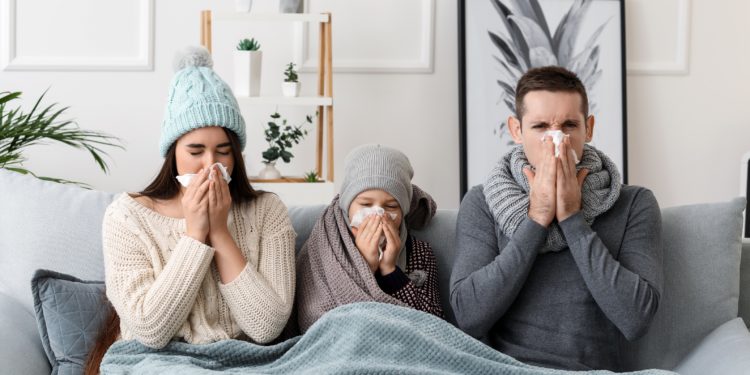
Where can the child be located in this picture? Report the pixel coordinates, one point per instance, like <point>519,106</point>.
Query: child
<point>346,261</point>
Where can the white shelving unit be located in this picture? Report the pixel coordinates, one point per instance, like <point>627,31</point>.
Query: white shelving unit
<point>292,189</point>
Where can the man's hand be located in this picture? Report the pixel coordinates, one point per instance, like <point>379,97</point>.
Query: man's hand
<point>569,183</point>
<point>543,185</point>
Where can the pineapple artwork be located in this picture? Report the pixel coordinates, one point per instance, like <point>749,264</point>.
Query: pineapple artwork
<point>530,44</point>
<point>502,39</point>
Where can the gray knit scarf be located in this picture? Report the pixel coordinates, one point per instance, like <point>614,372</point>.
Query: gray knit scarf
<point>507,192</point>
<point>330,270</point>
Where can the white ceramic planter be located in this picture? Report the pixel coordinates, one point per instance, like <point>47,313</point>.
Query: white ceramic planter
<point>290,6</point>
<point>269,172</point>
<point>247,65</point>
<point>290,89</point>
<point>243,5</point>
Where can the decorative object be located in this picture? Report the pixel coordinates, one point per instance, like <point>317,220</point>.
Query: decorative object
<point>281,137</point>
<point>269,172</point>
<point>290,6</point>
<point>290,87</point>
<point>312,176</point>
<point>247,63</point>
<point>243,5</point>
<point>501,39</point>
<point>19,130</point>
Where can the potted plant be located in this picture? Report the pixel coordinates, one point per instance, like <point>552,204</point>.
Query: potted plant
<point>19,130</point>
<point>290,6</point>
<point>247,63</point>
<point>280,137</point>
<point>243,5</point>
<point>290,86</point>
<point>312,176</point>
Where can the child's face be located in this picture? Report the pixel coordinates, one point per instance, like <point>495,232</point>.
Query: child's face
<point>201,148</point>
<point>376,197</point>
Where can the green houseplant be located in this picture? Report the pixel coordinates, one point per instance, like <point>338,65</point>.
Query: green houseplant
<point>20,130</point>
<point>281,137</point>
<point>248,59</point>
<point>291,86</point>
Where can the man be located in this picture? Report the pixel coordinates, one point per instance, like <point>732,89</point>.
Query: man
<point>556,259</point>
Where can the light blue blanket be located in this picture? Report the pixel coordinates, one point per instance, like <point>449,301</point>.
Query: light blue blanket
<point>368,337</point>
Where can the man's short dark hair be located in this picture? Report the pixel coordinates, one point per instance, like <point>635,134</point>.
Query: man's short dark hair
<point>550,78</point>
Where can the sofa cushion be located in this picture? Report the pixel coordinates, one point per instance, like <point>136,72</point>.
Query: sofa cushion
<point>20,347</point>
<point>69,312</point>
<point>48,225</point>
<point>701,282</point>
<point>724,351</point>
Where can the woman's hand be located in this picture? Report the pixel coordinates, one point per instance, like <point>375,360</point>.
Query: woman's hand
<point>219,203</point>
<point>366,238</point>
<point>392,246</point>
<point>195,206</point>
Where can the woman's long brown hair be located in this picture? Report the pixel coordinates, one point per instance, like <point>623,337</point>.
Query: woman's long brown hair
<point>166,186</point>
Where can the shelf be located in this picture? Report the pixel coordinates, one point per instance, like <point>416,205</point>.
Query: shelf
<point>255,179</point>
<point>271,17</point>
<point>325,101</point>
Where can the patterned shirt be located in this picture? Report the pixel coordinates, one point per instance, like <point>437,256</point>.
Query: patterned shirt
<point>418,286</point>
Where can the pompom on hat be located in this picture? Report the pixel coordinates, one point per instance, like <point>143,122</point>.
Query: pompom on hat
<point>198,98</point>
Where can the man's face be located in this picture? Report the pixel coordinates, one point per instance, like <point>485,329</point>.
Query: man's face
<point>547,110</point>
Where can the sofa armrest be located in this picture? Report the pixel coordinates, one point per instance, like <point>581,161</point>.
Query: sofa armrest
<point>21,349</point>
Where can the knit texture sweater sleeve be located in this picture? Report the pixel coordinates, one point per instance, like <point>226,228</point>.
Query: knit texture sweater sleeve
<point>626,288</point>
<point>487,276</point>
<point>261,297</point>
<point>152,304</point>
<point>425,297</point>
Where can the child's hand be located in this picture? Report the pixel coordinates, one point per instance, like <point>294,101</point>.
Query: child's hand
<point>392,246</point>
<point>366,238</point>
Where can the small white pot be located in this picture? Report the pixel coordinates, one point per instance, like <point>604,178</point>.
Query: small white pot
<point>243,5</point>
<point>290,89</point>
<point>247,65</point>
<point>269,172</point>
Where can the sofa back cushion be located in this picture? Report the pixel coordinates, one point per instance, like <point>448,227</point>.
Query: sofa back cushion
<point>701,282</point>
<point>48,225</point>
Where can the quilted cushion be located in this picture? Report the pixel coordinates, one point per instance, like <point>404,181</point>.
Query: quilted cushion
<point>69,314</point>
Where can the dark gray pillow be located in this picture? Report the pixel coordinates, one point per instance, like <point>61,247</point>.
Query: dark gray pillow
<point>69,313</point>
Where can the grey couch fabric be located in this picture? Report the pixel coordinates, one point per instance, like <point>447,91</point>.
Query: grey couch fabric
<point>702,247</point>
<point>58,227</point>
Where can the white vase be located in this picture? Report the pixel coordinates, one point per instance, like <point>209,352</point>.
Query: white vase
<point>269,172</point>
<point>247,65</point>
<point>290,6</point>
<point>243,5</point>
<point>290,89</point>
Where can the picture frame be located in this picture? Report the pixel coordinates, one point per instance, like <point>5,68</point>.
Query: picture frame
<point>584,36</point>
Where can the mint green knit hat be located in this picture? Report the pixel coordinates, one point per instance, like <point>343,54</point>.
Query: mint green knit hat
<point>198,97</point>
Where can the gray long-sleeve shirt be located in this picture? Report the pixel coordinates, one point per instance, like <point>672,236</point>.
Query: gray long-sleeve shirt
<point>563,309</point>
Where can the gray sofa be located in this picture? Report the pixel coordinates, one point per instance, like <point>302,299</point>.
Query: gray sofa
<point>50,226</point>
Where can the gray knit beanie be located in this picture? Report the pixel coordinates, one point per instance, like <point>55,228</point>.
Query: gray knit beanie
<point>376,167</point>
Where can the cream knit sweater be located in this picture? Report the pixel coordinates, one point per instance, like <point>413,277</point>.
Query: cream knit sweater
<point>165,286</point>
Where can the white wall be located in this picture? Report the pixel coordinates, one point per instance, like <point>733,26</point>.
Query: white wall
<point>686,132</point>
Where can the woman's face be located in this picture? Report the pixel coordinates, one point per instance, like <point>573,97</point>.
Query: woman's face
<point>376,197</point>
<point>201,148</point>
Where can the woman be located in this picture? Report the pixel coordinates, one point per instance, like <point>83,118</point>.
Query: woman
<point>350,257</point>
<point>209,261</point>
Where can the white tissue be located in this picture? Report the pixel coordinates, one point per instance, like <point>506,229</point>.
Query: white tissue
<point>557,138</point>
<point>360,216</point>
<point>186,178</point>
